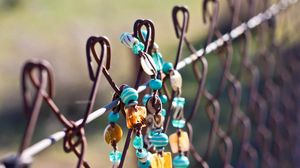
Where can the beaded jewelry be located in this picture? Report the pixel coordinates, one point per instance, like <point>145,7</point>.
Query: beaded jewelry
<point>179,141</point>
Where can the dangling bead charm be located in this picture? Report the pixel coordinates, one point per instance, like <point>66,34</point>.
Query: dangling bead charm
<point>113,133</point>
<point>179,141</point>
<point>115,157</point>
<point>129,96</point>
<point>135,115</point>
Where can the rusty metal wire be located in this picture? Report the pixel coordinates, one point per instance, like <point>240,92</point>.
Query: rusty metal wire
<point>263,93</point>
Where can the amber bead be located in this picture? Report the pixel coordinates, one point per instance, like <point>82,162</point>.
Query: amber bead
<point>135,115</point>
<point>181,142</point>
<point>113,133</point>
<point>164,161</point>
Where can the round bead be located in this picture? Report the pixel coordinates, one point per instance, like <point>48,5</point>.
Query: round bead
<point>137,47</point>
<point>163,112</point>
<point>178,123</point>
<point>159,140</point>
<point>113,133</point>
<point>113,116</point>
<point>164,99</point>
<point>127,39</point>
<point>115,156</point>
<point>144,165</point>
<point>146,98</point>
<point>181,161</point>
<point>141,153</point>
<point>129,95</point>
<point>138,142</point>
<point>167,67</point>
<point>155,84</point>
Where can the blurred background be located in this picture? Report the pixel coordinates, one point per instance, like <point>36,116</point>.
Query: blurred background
<point>57,30</point>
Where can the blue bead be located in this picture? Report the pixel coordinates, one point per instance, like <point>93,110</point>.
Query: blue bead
<point>146,98</point>
<point>178,102</point>
<point>178,123</point>
<point>164,99</point>
<point>155,84</point>
<point>159,140</point>
<point>127,39</point>
<point>144,165</point>
<point>181,161</point>
<point>137,47</point>
<point>129,95</point>
<point>138,142</point>
<point>141,154</point>
<point>163,112</point>
<point>113,116</point>
<point>115,156</point>
<point>158,60</point>
<point>167,67</point>
<point>145,162</point>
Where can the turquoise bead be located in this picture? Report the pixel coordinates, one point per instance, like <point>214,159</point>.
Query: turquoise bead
<point>158,60</point>
<point>164,99</point>
<point>138,142</point>
<point>127,39</point>
<point>146,98</point>
<point>141,154</point>
<point>159,140</point>
<point>144,34</point>
<point>178,123</point>
<point>115,156</point>
<point>167,67</point>
<point>155,84</point>
<point>144,165</point>
<point>181,161</point>
<point>178,102</point>
<point>129,95</point>
<point>163,112</point>
<point>137,47</point>
<point>113,116</point>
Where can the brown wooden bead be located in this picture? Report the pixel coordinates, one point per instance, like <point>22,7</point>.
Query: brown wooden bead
<point>181,142</point>
<point>113,133</point>
<point>135,115</point>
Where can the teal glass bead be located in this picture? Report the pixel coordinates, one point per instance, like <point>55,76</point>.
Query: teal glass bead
<point>164,99</point>
<point>113,116</point>
<point>158,60</point>
<point>138,142</point>
<point>159,140</point>
<point>146,98</point>
<point>167,67</point>
<point>144,165</point>
<point>181,161</point>
<point>115,156</point>
<point>145,162</point>
<point>155,84</point>
<point>163,112</point>
<point>141,153</point>
<point>178,102</point>
<point>137,47</point>
<point>129,95</point>
<point>178,123</point>
<point>127,39</point>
